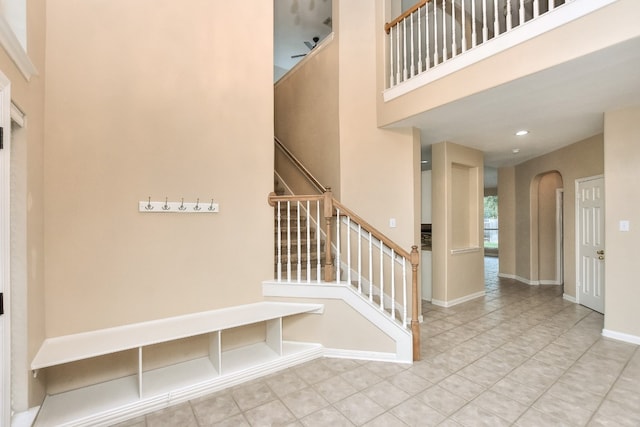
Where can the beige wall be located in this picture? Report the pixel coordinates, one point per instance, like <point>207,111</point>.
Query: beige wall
<point>458,261</point>
<point>379,169</point>
<point>578,160</point>
<point>149,98</point>
<point>306,117</point>
<point>622,201</point>
<point>547,227</point>
<point>27,220</point>
<point>616,23</point>
<point>507,218</point>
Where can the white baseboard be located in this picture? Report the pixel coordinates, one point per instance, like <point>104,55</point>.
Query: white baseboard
<point>372,356</point>
<point>569,298</point>
<point>528,281</point>
<point>457,301</point>
<point>26,418</point>
<point>620,336</point>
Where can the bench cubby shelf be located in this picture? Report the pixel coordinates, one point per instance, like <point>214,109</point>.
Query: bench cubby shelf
<point>121,398</point>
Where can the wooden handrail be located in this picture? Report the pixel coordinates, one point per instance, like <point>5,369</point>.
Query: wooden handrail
<point>273,198</point>
<point>374,232</point>
<point>298,164</point>
<point>408,12</point>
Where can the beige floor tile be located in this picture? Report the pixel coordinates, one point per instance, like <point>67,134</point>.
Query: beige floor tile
<point>214,408</point>
<point>386,394</point>
<point>473,416</point>
<point>415,413</point>
<point>359,409</point>
<point>385,420</point>
<point>269,414</point>
<point>462,387</point>
<point>442,400</point>
<point>498,404</point>
<point>304,402</point>
<point>326,417</point>
<point>335,389</point>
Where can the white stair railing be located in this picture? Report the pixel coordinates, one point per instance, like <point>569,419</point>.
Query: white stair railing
<point>434,31</point>
<point>352,253</point>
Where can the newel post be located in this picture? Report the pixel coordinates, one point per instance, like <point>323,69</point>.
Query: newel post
<point>415,303</point>
<point>328,215</point>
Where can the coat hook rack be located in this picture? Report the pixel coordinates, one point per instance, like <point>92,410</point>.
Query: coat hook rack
<point>149,206</point>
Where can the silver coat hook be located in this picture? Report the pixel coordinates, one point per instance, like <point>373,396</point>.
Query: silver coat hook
<point>149,207</point>
<point>166,206</point>
<point>197,207</point>
<point>211,208</point>
<point>182,207</point>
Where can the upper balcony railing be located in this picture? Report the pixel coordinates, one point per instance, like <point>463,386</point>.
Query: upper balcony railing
<point>433,32</point>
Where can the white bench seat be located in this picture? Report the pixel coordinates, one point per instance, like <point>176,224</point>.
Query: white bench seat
<point>122,398</point>
<point>70,348</point>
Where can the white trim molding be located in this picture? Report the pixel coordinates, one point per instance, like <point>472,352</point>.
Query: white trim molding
<point>569,298</point>
<point>457,301</point>
<point>394,330</point>
<point>620,336</point>
<point>14,49</point>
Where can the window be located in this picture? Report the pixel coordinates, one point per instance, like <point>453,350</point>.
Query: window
<point>491,223</point>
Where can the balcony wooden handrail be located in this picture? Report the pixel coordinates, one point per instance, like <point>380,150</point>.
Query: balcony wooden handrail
<point>408,12</point>
<point>298,164</point>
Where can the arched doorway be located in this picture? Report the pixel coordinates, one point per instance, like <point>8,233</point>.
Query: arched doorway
<point>546,229</point>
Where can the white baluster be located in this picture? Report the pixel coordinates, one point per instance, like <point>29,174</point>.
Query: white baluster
<point>308,243</point>
<point>359,258</point>
<point>370,270</point>
<point>319,255</point>
<point>474,36</point>
<point>435,33</point>
<point>405,68</point>
<point>419,43</point>
<point>413,68</point>
<point>444,31</point>
<point>349,250</point>
<point>288,241</point>
<point>381,275</point>
<point>536,8</point>
<point>393,284</point>
<point>496,22</point>
<point>454,42</point>
<point>404,292</point>
<point>338,264</point>
<point>426,35</point>
<point>508,16</point>
<point>391,52</point>
<point>398,54</point>
<point>279,238</point>
<point>464,28</point>
<point>521,11</point>
<point>552,4</point>
<point>485,29</point>
<point>299,263</point>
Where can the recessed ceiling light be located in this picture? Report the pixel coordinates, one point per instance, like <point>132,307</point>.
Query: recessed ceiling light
<point>522,132</point>
<point>515,150</point>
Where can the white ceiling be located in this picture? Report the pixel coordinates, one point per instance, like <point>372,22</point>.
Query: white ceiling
<point>559,106</point>
<point>297,21</point>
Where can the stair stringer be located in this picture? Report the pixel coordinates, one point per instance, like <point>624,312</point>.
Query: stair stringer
<point>392,328</point>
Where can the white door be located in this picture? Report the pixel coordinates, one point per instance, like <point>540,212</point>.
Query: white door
<point>590,227</point>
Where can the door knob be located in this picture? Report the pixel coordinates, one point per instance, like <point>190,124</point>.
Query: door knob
<point>600,252</point>
<point>601,257</point>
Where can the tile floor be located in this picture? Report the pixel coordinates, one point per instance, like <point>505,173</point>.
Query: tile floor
<point>519,356</point>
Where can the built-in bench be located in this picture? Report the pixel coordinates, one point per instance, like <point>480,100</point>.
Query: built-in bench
<point>121,398</point>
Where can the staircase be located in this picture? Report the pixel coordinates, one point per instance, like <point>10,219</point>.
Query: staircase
<point>325,250</point>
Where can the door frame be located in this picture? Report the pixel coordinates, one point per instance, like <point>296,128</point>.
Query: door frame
<point>577,232</point>
<point>560,236</point>
<point>5,245</point>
